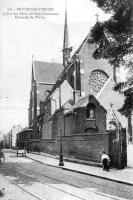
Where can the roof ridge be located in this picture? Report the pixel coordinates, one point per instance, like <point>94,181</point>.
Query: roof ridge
<point>47,62</point>
<point>78,49</point>
<point>81,45</point>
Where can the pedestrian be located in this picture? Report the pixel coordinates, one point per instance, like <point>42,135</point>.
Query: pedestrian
<point>105,161</point>
<point>2,155</point>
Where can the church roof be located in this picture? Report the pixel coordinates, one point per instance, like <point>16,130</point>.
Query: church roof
<point>84,101</point>
<point>108,96</point>
<point>47,71</point>
<point>82,44</point>
<point>93,61</point>
<point>76,52</point>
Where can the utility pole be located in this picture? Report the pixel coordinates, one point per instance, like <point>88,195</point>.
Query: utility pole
<point>10,139</point>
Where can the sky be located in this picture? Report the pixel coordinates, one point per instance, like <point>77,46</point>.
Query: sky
<point>42,37</point>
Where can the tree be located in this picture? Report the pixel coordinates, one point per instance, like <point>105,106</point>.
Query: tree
<point>114,37</point>
<point>114,42</point>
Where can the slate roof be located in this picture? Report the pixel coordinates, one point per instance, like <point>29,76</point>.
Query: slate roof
<point>84,101</point>
<point>47,71</point>
<point>107,96</point>
<point>98,63</point>
<point>76,52</point>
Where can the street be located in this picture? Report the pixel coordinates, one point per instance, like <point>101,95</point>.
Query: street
<point>26,179</point>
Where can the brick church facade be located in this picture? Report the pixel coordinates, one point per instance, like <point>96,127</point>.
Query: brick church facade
<point>74,105</point>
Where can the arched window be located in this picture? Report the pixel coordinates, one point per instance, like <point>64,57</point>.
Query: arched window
<point>96,80</point>
<point>90,111</point>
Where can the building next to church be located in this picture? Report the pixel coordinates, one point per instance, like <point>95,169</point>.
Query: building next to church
<point>74,108</point>
<point>43,78</point>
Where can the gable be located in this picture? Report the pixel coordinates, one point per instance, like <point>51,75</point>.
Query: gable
<point>86,55</point>
<point>88,65</point>
<point>107,96</point>
<point>66,94</point>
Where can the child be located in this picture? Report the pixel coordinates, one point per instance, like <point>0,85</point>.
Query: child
<point>105,161</point>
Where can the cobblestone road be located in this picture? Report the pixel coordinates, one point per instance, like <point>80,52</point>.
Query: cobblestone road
<point>27,179</point>
<point>13,192</point>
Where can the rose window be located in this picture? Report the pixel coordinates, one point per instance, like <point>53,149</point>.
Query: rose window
<point>96,81</point>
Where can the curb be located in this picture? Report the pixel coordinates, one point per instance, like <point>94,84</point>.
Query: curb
<point>103,177</point>
<point>83,162</point>
<point>80,172</point>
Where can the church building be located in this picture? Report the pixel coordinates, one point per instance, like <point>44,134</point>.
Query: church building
<point>73,108</point>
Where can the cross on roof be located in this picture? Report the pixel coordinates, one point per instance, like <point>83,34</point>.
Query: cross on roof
<point>97,15</point>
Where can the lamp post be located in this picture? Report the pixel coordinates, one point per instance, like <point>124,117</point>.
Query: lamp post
<point>61,163</point>
<point>11,139</point>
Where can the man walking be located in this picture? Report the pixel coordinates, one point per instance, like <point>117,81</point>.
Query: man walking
<point>2,153</point>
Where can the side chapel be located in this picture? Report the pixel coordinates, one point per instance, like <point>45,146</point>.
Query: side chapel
<point>75,104</point>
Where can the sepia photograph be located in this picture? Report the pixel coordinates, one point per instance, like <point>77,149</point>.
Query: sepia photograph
<point>66,100</point>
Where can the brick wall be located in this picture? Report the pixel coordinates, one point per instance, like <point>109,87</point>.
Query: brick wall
<point>69,124</point>
<point>87,147</point>
<point>49,146</point>
<point>76,141</point>
<point>76,122</point>
<point>100,115</point>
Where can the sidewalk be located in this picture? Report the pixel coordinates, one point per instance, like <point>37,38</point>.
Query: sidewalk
<point>121,176</point>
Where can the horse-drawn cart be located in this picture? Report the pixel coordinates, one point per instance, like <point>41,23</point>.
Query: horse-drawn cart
<point>21,152</point>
